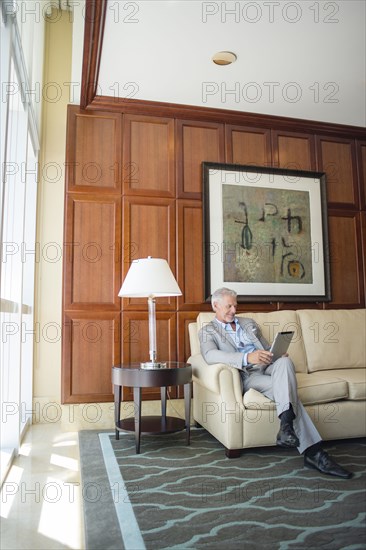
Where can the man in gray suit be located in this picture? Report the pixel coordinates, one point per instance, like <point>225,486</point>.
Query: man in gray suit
<point>238,342</point>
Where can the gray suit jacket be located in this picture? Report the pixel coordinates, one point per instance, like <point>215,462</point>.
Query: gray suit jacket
<point>218,347</point>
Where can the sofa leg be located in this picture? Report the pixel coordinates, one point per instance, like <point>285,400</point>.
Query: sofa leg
<point>232,453</point>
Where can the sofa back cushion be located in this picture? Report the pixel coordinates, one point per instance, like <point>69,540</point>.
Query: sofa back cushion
<point>270,323</point>
<point>334,339</point>
<point>193,339</point>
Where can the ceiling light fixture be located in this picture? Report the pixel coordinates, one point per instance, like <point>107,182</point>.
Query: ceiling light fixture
<point>224,58</point>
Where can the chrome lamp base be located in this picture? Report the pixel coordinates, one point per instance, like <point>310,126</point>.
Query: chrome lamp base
<point>152,365</point>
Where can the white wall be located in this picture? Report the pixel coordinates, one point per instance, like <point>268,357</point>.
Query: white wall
<point>77,50</point>
<point>57,76</point>
<point>299,59</point>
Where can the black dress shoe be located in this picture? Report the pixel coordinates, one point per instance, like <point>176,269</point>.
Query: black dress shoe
<point>286,437</point>
<point>321,461</point>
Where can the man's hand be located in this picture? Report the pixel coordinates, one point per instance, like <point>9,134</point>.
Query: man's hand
<point>259,356</point>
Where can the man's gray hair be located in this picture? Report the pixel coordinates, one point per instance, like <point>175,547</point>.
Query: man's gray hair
<point>218,295</point>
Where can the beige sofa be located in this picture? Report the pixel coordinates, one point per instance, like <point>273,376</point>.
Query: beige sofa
<point>328,351</point>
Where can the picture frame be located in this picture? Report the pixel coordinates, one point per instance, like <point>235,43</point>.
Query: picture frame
<point>265,233</point>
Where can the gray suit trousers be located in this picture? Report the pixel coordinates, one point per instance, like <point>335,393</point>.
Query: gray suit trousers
<point>278,383</point>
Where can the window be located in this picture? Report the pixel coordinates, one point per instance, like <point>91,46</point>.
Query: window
<point>18,251</point>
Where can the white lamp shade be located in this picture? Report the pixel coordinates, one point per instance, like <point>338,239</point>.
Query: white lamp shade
<point>149,277</point>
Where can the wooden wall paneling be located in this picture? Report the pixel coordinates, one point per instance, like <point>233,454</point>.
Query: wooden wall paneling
<point>149,230</point>
<point>135,341</point>
<point>135,335</point>
<point>92,266</point>
<point>163,148</point>
<point>197,142</point>
<point>345,260</point>
<point>257,306</point>
<point>300,305</point>
<point>94,15</point>
<point>293,151</point>
<point>246,145</point>
<point>190,260</point>
<point>337,158</point>
<point>93,155</point>
<point>227,116</point>
<point>148,153</point>
<point>91,345</point>
<point>363,240</point>
<point>361,165</point>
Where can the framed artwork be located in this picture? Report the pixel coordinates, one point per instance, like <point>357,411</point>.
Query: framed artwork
<point>265,233</point>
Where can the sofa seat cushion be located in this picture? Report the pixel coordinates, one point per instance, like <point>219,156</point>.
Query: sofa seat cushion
<point>321,387</point>
<point>356,380</point>
<point>313,389</point>
<point>254,400</point>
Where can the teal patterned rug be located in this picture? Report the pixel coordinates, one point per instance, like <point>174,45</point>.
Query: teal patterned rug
<point>175,496</point>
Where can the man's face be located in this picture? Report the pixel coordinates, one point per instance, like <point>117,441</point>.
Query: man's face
<point>225,309</point>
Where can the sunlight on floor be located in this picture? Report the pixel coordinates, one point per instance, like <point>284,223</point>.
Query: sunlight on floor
<point>10,489</point>
<point>25,449</point>
<point>59,501</point>
<point>64,462</point>
<point>41,502</point>
<point>69,443</point>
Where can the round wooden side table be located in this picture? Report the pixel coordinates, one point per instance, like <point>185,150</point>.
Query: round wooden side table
<point>134,376</point>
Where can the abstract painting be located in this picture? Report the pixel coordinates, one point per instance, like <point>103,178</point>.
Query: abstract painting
<point>265,233</point>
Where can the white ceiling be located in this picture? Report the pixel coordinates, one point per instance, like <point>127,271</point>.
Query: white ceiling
<point>303,59</point>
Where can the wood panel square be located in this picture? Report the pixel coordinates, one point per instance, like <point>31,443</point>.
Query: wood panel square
<point>149,152</point>
<point>337,160</point>
<point>248,146</point>
<point>345,260</point>
<point>94,151</point>
<point>93,272</point>
<point>294,152</point>
<point>197,143</point>
<point>91,342</point>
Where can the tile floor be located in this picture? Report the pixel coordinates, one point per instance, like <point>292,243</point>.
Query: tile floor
<point>41,496</point>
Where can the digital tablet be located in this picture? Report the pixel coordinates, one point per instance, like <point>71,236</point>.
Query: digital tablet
<point>280,344</point>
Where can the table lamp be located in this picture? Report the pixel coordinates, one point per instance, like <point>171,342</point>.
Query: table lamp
<point>150,278</point>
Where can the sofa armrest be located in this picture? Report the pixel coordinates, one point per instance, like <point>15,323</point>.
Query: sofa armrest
<point>219,378</point>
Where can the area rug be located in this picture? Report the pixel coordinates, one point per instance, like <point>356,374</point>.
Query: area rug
<point>175,496</point>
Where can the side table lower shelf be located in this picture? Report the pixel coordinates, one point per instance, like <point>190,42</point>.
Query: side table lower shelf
<point>153,425</point>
